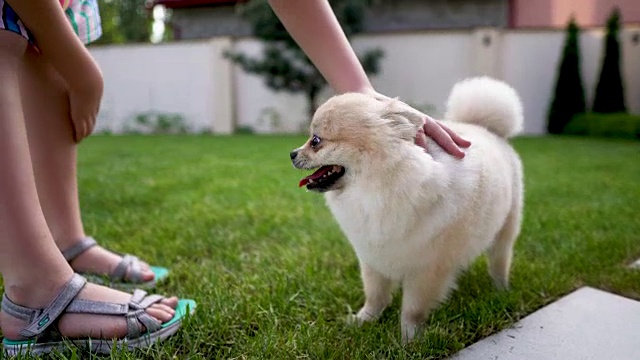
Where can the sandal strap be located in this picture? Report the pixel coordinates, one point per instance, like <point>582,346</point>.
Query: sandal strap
<point>134,311</point>
<point>139,302</point>
<point>143,301</point>
<point>17,311</point>
<point>128,263</point>
<point>66,302</point>
<point>137,317</point>
<point>55,308</point>
<point>83,306</point>
<point>41,319</point>
<point>81,246</point>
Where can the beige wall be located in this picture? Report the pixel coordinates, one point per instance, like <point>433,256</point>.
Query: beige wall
<point>193,79</point>
<point>418,68</point>
<point>189,78</point>
<point>253,101</point>
<point>556,13</point>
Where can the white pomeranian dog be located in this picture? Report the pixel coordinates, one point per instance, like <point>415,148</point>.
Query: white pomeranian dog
<point>417,218</point>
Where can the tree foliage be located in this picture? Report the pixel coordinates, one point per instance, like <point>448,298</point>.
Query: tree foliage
<point>568,98</point>
<point>609,96</point>
<point>124,21</point>
<point>283,64</point>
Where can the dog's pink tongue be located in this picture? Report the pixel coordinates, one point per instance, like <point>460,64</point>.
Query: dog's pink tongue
<point>317,174</point>
<point>303,182</point>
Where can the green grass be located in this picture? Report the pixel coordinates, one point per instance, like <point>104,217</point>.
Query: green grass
<point>274,277</point>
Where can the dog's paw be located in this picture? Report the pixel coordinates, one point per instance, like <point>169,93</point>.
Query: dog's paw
<point>501,285</point>
<point>361,317</point>
<point>353,320</point>
<point>410,332</point>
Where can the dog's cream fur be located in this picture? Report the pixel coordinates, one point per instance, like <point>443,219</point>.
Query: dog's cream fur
<point>417,218</point>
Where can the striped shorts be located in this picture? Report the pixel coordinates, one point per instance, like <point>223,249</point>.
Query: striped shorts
<point>83,15</point>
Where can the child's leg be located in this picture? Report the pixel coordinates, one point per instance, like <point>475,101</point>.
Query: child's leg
<point>53,153</point>
<point>28,254</point>
<point>32,268</point>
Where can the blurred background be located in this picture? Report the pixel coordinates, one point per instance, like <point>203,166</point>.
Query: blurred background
<point>223,67</point>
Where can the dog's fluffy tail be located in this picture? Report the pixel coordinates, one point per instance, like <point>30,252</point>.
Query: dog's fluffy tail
<point>488,103</point>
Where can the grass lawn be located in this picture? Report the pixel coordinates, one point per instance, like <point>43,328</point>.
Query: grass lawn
<point>274,277</point>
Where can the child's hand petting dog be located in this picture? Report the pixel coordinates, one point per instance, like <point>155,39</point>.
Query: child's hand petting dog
<point>445,137</point>
<point>442,135</point>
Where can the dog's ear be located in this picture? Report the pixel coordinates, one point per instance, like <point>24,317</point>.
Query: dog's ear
<point>403,120</point>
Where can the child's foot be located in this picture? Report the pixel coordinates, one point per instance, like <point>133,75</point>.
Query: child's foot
<point>87,257</point>
<point>84,325</point>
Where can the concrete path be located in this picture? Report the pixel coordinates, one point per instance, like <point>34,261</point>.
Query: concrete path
<point>586,324</point>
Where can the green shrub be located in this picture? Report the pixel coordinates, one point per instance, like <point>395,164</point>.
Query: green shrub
<point>244,130</point>
<point>157,123</point>
<point>621,125</point>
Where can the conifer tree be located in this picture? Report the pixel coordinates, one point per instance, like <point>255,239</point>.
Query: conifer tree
<point>568,98</point>
<point>609,96</point>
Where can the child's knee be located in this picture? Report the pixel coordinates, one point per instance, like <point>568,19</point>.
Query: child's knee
<point>12,47</point>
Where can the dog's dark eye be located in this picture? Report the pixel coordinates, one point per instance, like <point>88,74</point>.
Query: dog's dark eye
<point>315,141</point>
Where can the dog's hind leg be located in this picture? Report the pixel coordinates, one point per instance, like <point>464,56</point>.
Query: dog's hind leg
<point>423,292</point>
<point>501,251</point>
<point>378,291</point>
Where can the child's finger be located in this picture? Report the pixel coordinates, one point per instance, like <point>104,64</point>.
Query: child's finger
<point>92,125</point>
<point>455,137</point>
<point>79,131</point>
<point>443,138</point>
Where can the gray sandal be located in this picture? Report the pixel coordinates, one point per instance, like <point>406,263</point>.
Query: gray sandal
<point>43,337</point>
<point>129,264</point>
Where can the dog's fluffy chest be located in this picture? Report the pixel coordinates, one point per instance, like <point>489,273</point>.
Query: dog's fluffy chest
<point>377,225</point>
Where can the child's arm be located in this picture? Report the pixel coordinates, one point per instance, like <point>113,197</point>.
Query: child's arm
<point>63,49</point>
<point>315,28</point>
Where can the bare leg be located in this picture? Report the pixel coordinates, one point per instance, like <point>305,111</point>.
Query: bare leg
<point>53,154</point>
<point>24,237</point>
<point>378,292</point>
<point>32,268</point>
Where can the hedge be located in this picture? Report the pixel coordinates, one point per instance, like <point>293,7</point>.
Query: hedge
<point>621,125</point>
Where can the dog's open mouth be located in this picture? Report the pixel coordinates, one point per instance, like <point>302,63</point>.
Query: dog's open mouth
<point>323,178</point>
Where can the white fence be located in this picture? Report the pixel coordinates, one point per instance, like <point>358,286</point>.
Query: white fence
<point>194,81</point>
<point>189,79</point>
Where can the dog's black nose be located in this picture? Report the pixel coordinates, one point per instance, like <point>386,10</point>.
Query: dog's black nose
<point>293,154</point>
